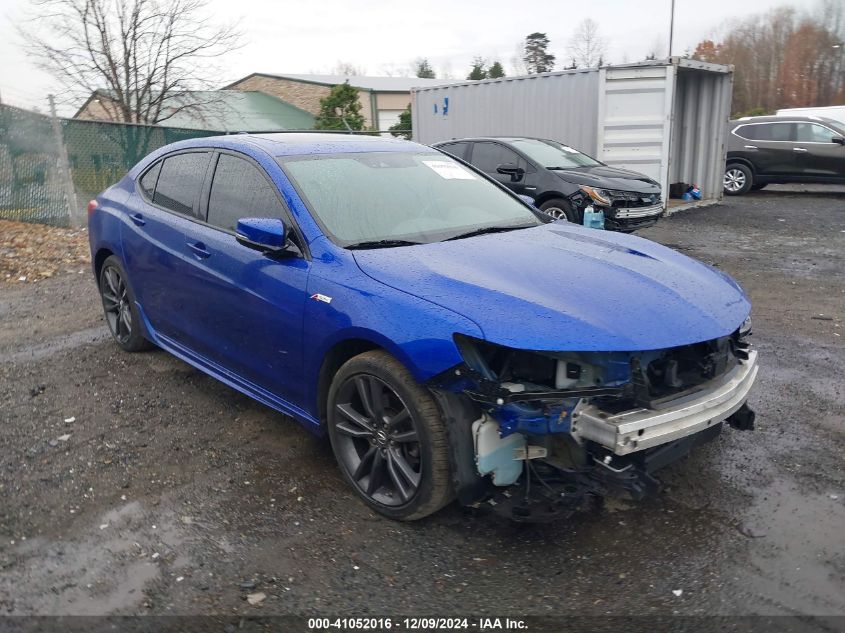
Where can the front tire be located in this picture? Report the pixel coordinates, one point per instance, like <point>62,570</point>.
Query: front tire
<point>389,438</point>
<point>560,209</point>
<point>738,179</point>
<point>119,307</point>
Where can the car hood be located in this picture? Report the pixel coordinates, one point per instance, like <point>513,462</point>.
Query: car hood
<point>564,287</point>
<point>609,178</point>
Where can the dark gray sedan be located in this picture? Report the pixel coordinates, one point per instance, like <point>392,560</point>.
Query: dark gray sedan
<point>562,180</point>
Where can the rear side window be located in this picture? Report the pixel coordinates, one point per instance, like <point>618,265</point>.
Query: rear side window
<point>180,181</point>
<point>148,180</point>
<point>240,190</point>
<point>488,156</point>
<point>767,131</point>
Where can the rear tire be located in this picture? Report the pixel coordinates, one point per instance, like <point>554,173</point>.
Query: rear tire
<point>738,179</point>
<point>119,307</point>
<point>389,438</point>
<point>560,209</point>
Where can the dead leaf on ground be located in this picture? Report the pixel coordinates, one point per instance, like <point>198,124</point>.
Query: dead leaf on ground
<point>32,252</point>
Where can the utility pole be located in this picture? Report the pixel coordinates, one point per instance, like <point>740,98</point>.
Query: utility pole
<point>64,167</point>
<point>671,27</point>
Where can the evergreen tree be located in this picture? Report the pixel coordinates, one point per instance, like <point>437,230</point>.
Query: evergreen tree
<point>478,70</point>
<point>537,58</point>
<point>495,71</point>
<point>340,110</point>
<point>423,69</point>
<point>403,127</point>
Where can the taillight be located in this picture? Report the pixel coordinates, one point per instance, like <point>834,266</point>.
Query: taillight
<point>92,205</point>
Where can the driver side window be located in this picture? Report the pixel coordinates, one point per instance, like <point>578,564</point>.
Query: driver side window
<point>240,190</point>
<point>814,133</point>
<point>488,156</point>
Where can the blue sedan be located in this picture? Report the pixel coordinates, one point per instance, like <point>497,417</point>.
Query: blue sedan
<point>452,341</point>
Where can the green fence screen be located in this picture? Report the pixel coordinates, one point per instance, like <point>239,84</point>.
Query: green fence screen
<point>32,188</point>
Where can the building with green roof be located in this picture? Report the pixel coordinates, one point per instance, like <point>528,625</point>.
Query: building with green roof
<point>215,110</point>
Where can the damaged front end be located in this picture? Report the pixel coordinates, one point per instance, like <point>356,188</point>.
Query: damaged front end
<point>538,432</point>
<point>625,211</point>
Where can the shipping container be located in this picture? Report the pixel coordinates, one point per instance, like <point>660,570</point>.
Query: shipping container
<point>667,119</point>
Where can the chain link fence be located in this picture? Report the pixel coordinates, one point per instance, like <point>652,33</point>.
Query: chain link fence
<point>50,169</point>
<point>30,183</point>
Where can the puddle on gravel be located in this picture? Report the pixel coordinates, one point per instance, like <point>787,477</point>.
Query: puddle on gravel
<point>58,344</point>
<point>104,571</point>
<point>799,557</point>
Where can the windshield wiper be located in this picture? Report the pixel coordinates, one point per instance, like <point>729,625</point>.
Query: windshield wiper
<point>488,229</point>
<point>382,244</point>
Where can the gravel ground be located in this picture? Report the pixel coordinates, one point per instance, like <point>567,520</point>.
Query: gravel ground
<point>135,484</point>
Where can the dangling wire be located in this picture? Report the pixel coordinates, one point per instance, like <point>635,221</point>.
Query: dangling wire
<point>540,479</point>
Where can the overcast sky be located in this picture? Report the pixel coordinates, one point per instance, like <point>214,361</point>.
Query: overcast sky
<point>379,36</point>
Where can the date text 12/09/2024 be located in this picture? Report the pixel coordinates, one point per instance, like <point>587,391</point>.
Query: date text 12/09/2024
<point>416,624</point>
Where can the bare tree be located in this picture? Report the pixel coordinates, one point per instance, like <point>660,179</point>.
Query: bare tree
<point>395,70</point>
<point>658,48</point>
<point>445,71</point>
<point>586,46</point>
<point>783,57</point>
<point>140,54</point>
<point>517,63</point>
<point>348,69</point>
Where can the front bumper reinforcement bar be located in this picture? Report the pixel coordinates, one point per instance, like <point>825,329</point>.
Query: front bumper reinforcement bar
<point>639,429</point>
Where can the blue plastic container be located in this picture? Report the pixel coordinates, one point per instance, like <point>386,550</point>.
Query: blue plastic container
<point>593,219</point>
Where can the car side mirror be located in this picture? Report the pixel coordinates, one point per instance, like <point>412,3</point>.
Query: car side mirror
<point>527,200</point>
<point>514,171</point>
<point>839,140</point>
<point>268,235</point>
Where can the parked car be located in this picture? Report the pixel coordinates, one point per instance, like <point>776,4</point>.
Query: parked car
<point>780,149</point>
<point>450,339</point>
<point>562,180</point>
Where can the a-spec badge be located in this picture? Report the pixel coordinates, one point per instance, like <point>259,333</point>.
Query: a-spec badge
<point>318,297</point>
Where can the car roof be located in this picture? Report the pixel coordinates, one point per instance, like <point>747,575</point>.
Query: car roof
<point>503,139</point>
<point>785,118</point>
<point>303,143</point>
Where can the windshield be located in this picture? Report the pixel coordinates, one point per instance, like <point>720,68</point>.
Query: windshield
<point>401,197</point>
<point>553,155</point>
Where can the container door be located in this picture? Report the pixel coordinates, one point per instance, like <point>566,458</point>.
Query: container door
<point>634,127</point>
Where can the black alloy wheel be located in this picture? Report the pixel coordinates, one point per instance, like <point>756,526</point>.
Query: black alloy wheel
<point>388,437</point>
<point>378,440</point>
<point>119,307</point>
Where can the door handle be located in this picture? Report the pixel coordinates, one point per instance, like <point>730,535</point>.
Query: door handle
<point>199,249</point>
<point>138,219</point>
<point>798,149</point>
<point>750,147</point>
